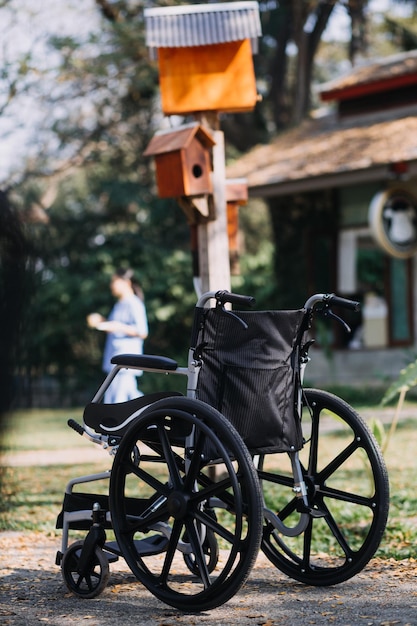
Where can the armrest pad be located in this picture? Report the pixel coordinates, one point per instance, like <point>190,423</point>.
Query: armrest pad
<point>146,361</point>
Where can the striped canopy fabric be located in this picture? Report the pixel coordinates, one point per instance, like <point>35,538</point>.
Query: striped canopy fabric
<point>202,24</point>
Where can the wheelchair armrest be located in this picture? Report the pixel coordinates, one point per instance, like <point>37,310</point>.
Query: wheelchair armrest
<point>145,361</point>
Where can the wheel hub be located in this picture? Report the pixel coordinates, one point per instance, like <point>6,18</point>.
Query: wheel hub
<point>177,504</point>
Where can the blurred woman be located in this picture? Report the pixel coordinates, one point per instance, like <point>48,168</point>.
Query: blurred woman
<point>126,328</point>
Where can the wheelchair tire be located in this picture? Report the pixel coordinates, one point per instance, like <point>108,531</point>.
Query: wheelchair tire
<point>348,493</point>
<point>90,583</point>
<point>180,441</point>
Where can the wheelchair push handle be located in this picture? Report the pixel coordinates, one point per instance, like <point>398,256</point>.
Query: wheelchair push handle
<point>344,303</point>
<point>327,300</point>
<point>330,299</point>
<point>223,297</point>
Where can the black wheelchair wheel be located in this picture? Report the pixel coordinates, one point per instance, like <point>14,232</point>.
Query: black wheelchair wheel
<point>201,487</point>
<point>347,490</point>
<point>93,580</point>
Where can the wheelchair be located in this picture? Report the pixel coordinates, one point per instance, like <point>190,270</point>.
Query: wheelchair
<point>200,483</point>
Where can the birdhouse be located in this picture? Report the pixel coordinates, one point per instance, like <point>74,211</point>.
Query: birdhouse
<point>183,161</point>
<point>205,55</point>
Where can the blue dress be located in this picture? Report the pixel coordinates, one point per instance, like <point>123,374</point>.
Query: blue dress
<point>130,311</point>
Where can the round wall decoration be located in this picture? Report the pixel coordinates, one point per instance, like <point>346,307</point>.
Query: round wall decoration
<point>393,222</point>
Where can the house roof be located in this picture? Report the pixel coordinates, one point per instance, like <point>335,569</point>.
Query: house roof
<point>383,75</point>
<point>182,26</point>
<point>329,151</point>
<point>322,153</point>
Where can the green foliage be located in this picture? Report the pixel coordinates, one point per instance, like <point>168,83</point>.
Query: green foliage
<point>104,215</point>
<point>378,431</point>
<point>95,225</point>
<point>406,380</point>
<point>256,276</point>
<point>75,254</point>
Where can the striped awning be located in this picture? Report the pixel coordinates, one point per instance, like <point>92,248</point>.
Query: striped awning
<point>202,24</point>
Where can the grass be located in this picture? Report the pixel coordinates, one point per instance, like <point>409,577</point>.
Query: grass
<point>39,429</point>
<point>401,459</point>
<point>31,497</point>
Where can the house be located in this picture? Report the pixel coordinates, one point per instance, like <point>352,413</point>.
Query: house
<point>353,173</point>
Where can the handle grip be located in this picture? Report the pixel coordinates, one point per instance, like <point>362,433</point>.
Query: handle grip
<point>345,303</point>
<point>76,426</point>
<point>235,298</point>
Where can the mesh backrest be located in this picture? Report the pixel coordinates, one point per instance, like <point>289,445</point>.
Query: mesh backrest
<point>251,375</point>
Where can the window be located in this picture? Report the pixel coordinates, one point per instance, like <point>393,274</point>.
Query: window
<point>383,286</point>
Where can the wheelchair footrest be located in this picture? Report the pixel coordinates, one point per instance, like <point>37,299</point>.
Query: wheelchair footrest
<point>145,547</point>
<point>156,544</point>
<point>111,551</point>
<point>152,545</point>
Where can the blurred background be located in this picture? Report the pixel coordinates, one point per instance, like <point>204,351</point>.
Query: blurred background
<point>79,103</point>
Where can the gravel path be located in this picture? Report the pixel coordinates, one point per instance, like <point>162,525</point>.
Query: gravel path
<point>32,592</point>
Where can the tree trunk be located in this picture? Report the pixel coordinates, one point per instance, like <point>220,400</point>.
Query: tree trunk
<point>358,41</point>
<point>279,69</point>
<point>308,42</point>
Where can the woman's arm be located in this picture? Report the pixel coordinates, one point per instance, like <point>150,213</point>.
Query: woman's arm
<point>113,326</point>
<point>138,329</point>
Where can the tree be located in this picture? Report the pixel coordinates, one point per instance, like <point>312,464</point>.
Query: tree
<point>292,34</point>
<point>301,24</point>
<point>97,204</point>
<point>13,259</point>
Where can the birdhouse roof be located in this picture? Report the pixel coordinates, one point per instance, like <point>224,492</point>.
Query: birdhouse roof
<point>202,24</point>
<point>178,139</point>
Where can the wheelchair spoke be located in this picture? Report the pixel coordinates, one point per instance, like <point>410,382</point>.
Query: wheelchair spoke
<point>194,469</point>
<point>198,554</point>
<point>337,534</point>
<point>338,461</point>
<point>174,474</point>
<point>346,496</point>
<point>147,477</point>
<point>170,553</point>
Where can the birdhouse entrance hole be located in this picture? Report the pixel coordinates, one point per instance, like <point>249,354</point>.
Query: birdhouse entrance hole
<point>197,171</point>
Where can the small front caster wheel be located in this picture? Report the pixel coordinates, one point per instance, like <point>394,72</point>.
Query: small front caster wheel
<point>90,582</point>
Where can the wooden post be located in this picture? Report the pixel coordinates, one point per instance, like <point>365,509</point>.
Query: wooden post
<point>213,243</point>
<point>205,67</point>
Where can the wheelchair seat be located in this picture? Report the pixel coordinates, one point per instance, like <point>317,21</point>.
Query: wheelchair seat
<point>114,419</point>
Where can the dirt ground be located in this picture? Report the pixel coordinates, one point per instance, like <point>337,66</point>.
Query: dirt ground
<point>32,592</point>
